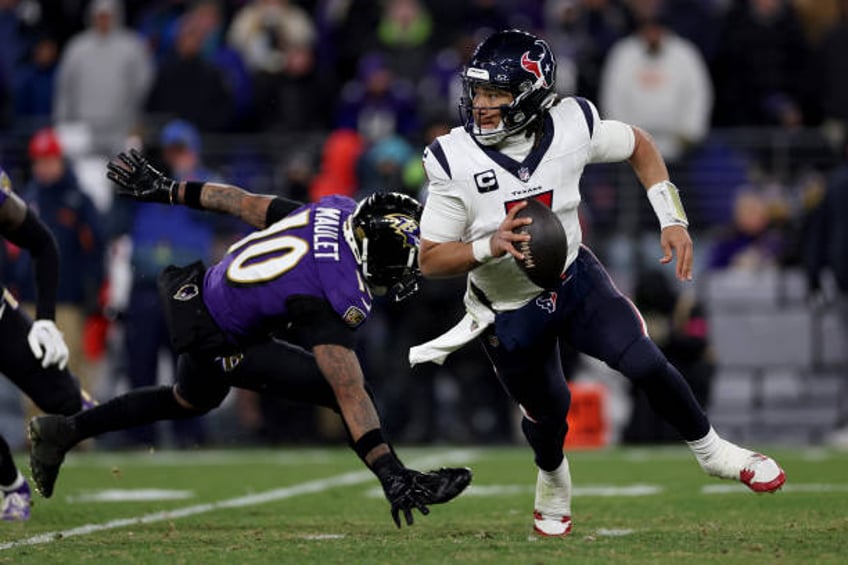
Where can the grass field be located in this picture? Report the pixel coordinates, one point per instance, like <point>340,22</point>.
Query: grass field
<point>318,505</point>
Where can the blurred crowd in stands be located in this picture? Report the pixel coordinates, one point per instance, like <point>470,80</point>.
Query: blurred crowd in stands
<point>747,100</point>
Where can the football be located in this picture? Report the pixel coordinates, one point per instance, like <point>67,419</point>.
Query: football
<point>545,253</point>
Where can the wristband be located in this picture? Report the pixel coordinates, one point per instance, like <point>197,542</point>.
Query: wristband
<point>368,441</point>
<point>191,194</point>
<point>482,249</point>
<point>665,200</point>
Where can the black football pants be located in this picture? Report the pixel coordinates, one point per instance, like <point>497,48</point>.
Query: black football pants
<point>53,390</point>
<point>271,367</point>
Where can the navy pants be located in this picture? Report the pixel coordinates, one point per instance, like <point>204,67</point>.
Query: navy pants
<point>589,313</point>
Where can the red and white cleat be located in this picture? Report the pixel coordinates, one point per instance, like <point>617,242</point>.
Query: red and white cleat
<point>754,470</point>
<point>762,474</point>
<point>552,510</point>
<point>556,526</point>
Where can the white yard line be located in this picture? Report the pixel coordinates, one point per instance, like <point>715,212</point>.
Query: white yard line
<point>130,495</point>
<point>453,457</point>
<point>211,458</point>
<point>527,489</point>
<point>615,532</point>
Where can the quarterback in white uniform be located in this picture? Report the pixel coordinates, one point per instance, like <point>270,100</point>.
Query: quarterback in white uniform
<point>520,141</point>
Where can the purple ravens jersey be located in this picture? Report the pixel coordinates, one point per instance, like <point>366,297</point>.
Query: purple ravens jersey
<point>303,254</point>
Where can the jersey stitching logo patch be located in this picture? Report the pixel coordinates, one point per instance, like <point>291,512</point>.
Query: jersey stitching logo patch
<point>547,302</point>
<point>486,181</point>
<point>229,364</point>
<point>186,292</point>
<point>354,316</point>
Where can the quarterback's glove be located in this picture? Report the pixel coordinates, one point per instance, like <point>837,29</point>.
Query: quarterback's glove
<point>46,342</point>
<point>400,488</point>
<point>136,177</point>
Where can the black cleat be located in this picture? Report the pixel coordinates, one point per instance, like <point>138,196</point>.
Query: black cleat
<point>443,485</point>
<point>50,438</point>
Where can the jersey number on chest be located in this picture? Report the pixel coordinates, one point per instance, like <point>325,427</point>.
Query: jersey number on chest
<point>265,255</point>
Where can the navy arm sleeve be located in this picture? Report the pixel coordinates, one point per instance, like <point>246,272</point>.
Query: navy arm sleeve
<point>317,323</point>
<point>34,236</point>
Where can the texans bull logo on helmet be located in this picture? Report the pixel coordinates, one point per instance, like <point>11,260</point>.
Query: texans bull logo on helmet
<point>538,67</point>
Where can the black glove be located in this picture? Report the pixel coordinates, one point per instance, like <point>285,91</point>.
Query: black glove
<point>137,178</point>
<point>399,487</point>
<point>442,485</point>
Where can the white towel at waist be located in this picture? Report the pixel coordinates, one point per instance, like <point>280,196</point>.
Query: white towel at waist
<point>476,320</point>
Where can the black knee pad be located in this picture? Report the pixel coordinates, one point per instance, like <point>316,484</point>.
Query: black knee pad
<point>200,382</point>
<point>641,359</point>
<point>202,401</point>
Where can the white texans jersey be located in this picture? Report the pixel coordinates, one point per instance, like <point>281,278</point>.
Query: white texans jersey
<point>471,188</point>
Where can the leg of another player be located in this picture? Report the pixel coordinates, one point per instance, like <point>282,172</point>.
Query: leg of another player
<point>608,326</point>
<point>13,487</point>
<point>534,379</point>
<point>53,436</point>
<point>53,390</point>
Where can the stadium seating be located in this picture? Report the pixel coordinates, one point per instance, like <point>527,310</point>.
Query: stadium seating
<point>778,360</point>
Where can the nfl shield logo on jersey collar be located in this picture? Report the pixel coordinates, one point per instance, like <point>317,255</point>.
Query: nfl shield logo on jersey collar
<point>524,174</point>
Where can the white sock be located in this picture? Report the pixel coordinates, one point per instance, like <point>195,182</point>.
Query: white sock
<point>559,480</point>
<point>705,447</point>
<point>19,480</point>
<point>718,456</point>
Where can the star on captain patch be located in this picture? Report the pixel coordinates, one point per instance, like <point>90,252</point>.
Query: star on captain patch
<point>353,316</point>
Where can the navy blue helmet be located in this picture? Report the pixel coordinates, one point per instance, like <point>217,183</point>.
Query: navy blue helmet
<point>517,62</point>
<point>385,234</point>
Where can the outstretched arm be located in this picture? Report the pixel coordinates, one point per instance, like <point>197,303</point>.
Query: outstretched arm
<point>137,178</point>
<point>229,199</point>
<point>341,368</point>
